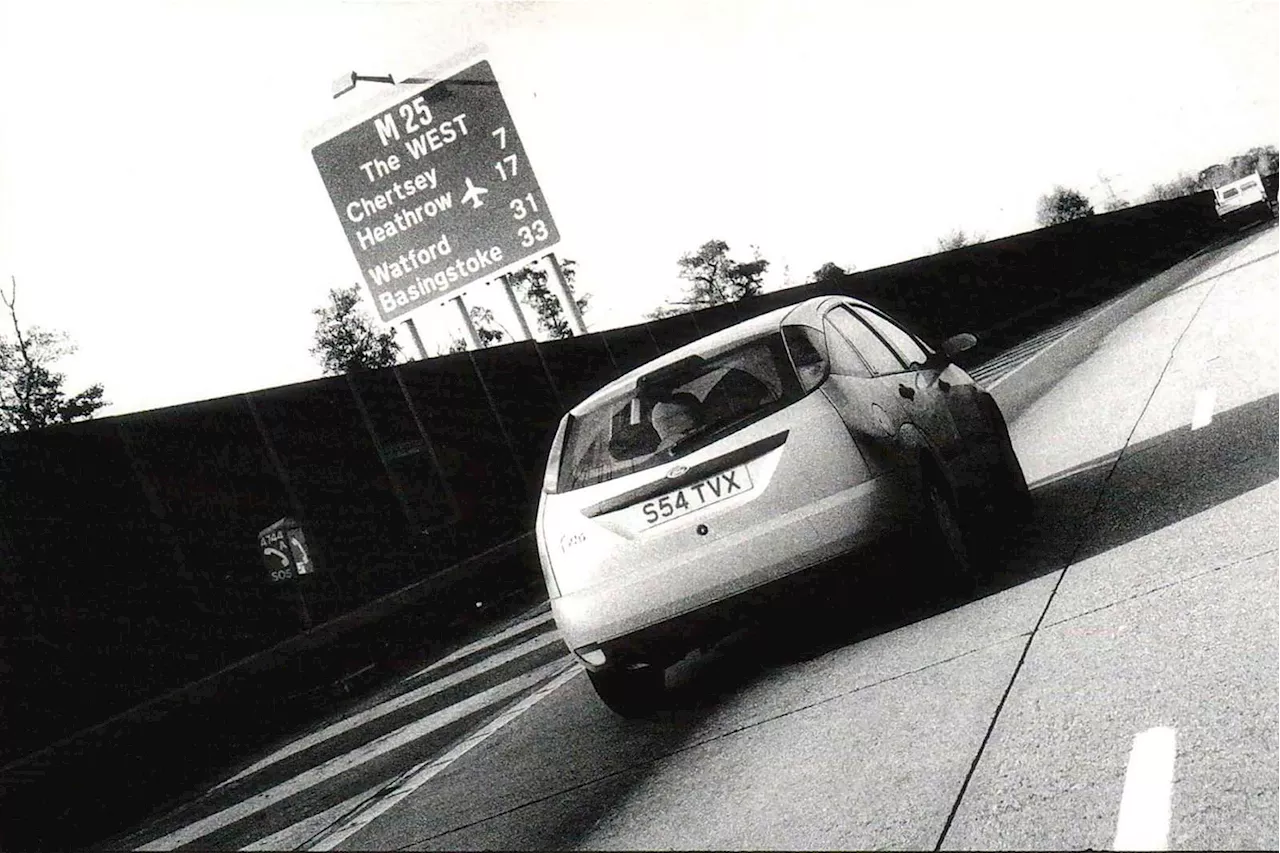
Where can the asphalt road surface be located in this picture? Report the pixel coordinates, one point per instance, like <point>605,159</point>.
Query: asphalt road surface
<point>1113,685</point>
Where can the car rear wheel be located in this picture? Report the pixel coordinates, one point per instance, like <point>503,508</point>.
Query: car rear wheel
<point>630,693</point>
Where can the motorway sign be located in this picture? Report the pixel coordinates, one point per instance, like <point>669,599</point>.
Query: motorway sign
<point>436,192</point>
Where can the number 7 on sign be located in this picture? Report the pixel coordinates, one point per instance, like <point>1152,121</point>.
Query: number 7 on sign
<point>501,133</point>
<point>510,160</point>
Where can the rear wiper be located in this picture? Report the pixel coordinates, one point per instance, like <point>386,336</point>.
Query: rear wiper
<point>701,435</point>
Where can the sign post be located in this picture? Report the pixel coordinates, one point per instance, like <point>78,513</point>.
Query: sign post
<point>417,339</point>
<point>567,303</point>
<point>473,337</point>
<point>508,288</point>
<point>434,191</point>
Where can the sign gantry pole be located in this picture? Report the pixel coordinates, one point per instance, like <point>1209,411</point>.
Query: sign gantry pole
<point>526,335</point>
<point>473,338</point>
<point>417,339</point>
<point>561,289</point>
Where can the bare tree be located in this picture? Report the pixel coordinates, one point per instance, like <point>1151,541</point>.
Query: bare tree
<point>1113,202</point>
<point>31,391</point>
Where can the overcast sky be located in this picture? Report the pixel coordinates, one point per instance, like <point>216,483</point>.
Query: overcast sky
<point>158,203</point>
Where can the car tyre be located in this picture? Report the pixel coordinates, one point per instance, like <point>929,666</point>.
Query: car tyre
<point>629,693</point>
<point>948,530</point>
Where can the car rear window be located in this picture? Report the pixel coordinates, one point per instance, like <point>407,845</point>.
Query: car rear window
<point>676,409</point>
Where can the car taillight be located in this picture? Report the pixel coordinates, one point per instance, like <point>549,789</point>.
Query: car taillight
<point>551,477</point>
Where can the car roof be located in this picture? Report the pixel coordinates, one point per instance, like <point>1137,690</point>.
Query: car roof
<point>808,312</point>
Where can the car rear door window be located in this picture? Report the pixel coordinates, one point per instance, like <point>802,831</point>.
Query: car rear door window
<point>873,350</point>
<point>900,339</point>
<point>808,349</point>
<point>844,359</point>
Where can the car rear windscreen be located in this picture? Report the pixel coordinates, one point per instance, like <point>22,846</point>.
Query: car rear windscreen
<point>677,408</point>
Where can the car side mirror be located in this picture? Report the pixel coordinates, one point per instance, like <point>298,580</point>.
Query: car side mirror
<point>957,344</point>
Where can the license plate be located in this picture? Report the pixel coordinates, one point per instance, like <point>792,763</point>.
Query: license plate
<point>695,496</point>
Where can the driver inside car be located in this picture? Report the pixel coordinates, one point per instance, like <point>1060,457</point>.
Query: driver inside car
<point>676,417</point>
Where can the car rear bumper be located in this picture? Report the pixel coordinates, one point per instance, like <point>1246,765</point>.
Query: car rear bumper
<point>660,614</point>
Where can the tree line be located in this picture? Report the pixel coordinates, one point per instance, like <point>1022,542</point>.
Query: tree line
<point>347,339</point>
<point>33,392</point>
<point>1063,204</point>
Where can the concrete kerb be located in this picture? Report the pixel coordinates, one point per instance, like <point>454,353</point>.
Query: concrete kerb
<point>1017,390</point>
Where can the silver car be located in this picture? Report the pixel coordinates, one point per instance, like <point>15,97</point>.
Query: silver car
<point>690,488</point>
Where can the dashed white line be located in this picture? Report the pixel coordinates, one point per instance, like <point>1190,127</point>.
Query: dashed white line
<point>398,702</point>
<point>368,752</point>
<point>1202,415</point>
<point>1148,786</point>
<point>423,773</point>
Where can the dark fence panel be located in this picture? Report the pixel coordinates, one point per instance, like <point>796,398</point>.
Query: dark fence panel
<point>476,451</point>
<point>210,483</point>
<point>672,332</point>
<point>711,320</point>
<point>80,534</point>
<point>581,366</point>
<point>526,401</point>
<point>632,346</point>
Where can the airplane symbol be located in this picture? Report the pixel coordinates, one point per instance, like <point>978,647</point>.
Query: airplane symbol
<point>473,194</point>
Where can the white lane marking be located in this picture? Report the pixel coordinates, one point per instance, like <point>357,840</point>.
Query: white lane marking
<point>1203,412</point>
<point>483,643</point>
<point>293,837</point>
<point>342,763</point>
<point>425,772</point>
<point>1148,787</point>
<point>396,703</point>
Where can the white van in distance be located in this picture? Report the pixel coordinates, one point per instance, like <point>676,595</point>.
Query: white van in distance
<point>1240,195</point>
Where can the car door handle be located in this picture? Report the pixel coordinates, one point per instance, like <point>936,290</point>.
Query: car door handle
<point>909,393</point>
